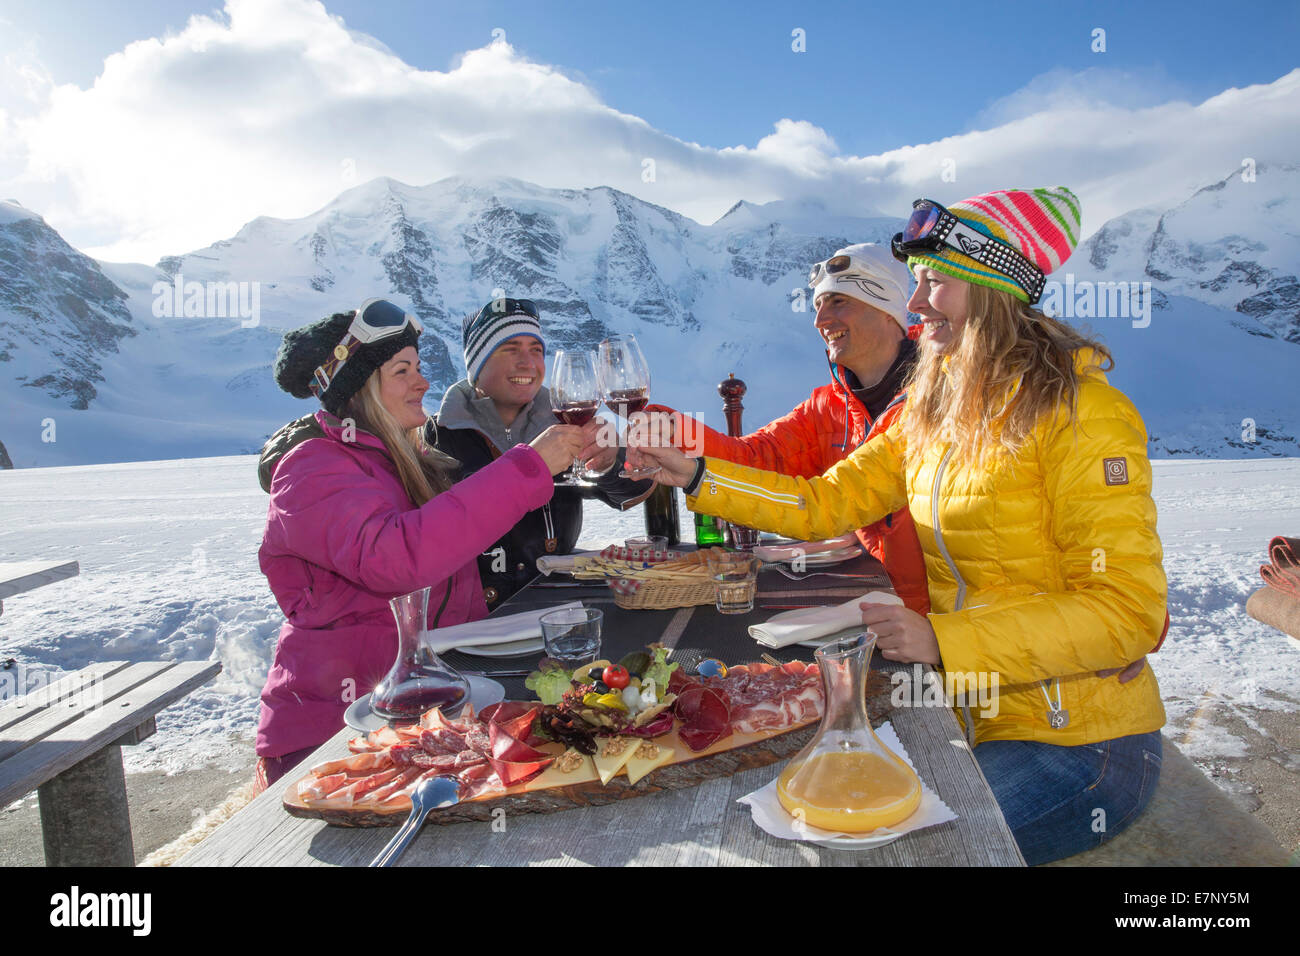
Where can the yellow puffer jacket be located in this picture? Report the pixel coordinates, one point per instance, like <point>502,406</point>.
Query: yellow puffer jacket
<point>1042,570</point>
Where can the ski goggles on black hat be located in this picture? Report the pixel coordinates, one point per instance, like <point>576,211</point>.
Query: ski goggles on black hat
<point>376,320</point>
<point>932,228</point>
<point>503,307</point>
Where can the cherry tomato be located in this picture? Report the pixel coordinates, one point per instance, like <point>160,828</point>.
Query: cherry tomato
<point>616,677</point>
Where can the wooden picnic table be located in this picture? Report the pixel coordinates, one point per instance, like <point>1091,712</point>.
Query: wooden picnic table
<point>65,741</point>
<point>19,576</point>
<point>702,825</point>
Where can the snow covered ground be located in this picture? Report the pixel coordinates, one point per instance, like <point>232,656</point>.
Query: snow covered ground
<point>168,554</point>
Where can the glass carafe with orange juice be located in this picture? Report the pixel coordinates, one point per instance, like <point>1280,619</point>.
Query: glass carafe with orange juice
<point>846,780</point>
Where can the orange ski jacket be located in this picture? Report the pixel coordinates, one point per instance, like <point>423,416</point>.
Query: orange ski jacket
<point>826,428</point>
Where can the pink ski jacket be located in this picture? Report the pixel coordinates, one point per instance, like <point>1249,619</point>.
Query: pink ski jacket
<point>342,537</point>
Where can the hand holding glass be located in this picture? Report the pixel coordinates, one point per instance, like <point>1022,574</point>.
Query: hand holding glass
<point>575,395</point>
<point>625,381</point>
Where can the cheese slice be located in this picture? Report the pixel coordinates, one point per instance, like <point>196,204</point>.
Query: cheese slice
<point>552,776</point>
<point>610,759</point>
<point>638,767</point>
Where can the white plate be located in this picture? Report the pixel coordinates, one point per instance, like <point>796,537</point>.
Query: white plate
<point>528,645</point>
<point>857,843</point>
<point>831,557</point>
<point>483,692</point>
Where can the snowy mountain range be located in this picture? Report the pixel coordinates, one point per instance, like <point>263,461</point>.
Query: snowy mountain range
<point>109,362</point>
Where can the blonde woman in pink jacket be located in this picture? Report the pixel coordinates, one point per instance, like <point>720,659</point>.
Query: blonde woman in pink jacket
<point>362,511</point>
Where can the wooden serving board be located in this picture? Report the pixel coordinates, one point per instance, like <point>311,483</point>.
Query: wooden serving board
<point>548,793</point>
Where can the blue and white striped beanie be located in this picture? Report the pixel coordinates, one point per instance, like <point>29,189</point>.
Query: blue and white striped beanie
<point>497,321</point>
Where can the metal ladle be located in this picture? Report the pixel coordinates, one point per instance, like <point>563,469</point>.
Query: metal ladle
<point>432,794</point>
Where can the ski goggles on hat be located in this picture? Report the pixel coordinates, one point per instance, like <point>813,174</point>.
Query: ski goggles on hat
<point>932,228</point>
<point>376,320</point>
<point>848,265</point>
<point>501,307</point>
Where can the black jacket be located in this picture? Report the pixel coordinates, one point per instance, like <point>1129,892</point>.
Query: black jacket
<point>461,430</point>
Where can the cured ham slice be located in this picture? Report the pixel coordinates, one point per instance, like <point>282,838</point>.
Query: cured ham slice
<point>764,698</point>
<point>489,752</point>
<point>513,760</point>
<point>705,716</point>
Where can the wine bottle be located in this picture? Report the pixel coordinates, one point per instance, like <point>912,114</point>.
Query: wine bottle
<point>661,514</point>
<point>708,531</point>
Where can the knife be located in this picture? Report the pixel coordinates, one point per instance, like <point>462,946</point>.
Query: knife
<point>497,673</point>
<point>569,584</point>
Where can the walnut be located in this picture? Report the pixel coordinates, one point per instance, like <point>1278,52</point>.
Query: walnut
<point>615,746</point>
<point>568,761</point>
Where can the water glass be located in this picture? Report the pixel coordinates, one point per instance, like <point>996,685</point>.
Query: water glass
<point>572,636</point>
<point>741,538</point>
<point>736,575</point>
<point>654,542</point>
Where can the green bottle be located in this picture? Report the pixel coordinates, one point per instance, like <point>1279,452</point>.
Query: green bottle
<point>708,531</point>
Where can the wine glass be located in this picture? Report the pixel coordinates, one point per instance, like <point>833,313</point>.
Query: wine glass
<point>575,396</point>
<point>625,381</point>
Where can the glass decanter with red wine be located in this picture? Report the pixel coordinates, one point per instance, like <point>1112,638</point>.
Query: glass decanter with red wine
<point>419,679</point>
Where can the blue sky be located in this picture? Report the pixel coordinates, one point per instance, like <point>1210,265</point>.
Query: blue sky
<point>877,82</point>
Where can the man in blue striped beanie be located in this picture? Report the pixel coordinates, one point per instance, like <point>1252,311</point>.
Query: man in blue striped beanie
<point>502,402</point>
<point>498,321</point>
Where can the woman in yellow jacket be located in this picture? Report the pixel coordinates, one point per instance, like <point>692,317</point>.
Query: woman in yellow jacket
<point>1027,477</point>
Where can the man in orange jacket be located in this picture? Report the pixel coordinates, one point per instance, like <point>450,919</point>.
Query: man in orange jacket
<point>860,295</point>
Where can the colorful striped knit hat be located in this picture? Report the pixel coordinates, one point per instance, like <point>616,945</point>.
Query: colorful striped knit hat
<point>1041,224</point>
<point>499,320</point>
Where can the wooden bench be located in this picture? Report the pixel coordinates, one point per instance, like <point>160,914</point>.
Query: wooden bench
<point>1189,822</point>
<point>65,741</point>
<point>19,576</point>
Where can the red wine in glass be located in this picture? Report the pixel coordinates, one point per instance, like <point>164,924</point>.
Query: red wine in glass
<point>577,413</point>
<point>413,698</point>
<point>627,401</point>
<point>625,379</point>
<point>575,396</point>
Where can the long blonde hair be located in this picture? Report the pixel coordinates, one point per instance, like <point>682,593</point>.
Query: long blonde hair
<point>1011,366</point>
<point>423,472</point>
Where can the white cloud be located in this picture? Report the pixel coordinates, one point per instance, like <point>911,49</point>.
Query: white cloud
<point>276,107</point>
<point>1093,88</point>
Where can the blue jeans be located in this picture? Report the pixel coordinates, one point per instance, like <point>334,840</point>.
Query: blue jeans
<point>1060,801</point>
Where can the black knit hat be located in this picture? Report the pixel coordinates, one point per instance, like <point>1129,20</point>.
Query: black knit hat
<point>303,350</point>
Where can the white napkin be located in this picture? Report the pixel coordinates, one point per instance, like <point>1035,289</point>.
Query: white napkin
<point>493,630</point>
<point>788,552</point>
<point>561,562</point>
<point>770,816</point>
<point>791,627</point>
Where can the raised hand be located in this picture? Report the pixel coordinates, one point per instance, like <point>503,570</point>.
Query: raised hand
<point>558,446</point>
<point>649,445</point>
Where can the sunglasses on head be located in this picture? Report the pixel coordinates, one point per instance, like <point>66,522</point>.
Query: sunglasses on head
<point>832,266</point>
<point>376,320</point>
<point>931,228</point>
